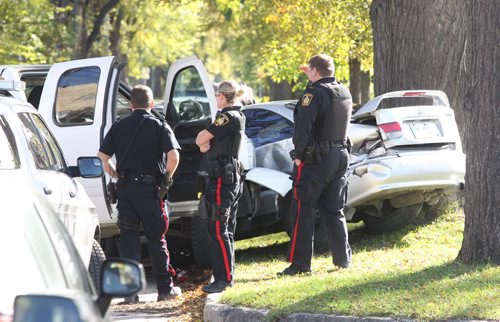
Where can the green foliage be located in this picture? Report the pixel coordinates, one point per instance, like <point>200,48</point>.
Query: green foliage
<point>273,38</point>
<point>155,32</point>
<point>30,33</point>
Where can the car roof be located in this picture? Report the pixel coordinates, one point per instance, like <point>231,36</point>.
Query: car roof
<point>12,105</point>
<point>283,107</point>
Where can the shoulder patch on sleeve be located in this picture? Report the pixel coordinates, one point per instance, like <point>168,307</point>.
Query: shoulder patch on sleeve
<point>306,99</point>
<point>221,120</point>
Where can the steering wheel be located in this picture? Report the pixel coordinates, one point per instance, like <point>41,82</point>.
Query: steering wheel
<point>190,110</point>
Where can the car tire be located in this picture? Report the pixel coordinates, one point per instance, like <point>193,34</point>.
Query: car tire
<point>97,257</point>
<point>391,218</point>
<point>200,241</point>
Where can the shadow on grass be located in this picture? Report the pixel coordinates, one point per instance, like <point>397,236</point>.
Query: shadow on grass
<point>391,290</point>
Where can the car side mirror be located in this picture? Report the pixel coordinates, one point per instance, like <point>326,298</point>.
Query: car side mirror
<point>119,278</point>
<point>44,307</point>
<point>87,167</point>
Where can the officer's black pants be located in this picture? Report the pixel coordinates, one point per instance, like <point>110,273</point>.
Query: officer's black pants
<point>138,203</point>
<point>221,226</point>
<point>323,185</point>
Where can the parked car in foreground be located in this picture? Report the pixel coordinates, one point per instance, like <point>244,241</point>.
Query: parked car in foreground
<point>48,281</point>
<point>29,153</point>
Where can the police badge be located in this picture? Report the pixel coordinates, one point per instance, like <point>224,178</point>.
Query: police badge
<point>306,99</point>
<point>221,120</point>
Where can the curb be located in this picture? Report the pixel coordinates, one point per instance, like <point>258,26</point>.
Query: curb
<point>215,312</point>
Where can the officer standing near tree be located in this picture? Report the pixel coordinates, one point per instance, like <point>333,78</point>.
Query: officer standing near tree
<point>147,157</point>
<point>321,119</point>
<point>221,142</point>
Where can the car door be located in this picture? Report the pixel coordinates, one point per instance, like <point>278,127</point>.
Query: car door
<point>50,175</point>
<point>75,103</point>
<point>189,106</point>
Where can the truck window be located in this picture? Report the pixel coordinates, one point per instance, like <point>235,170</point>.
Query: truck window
<point>189,97</point>
<point>76,96</point>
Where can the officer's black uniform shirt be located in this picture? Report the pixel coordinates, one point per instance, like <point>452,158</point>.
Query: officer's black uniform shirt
<point>227,130</point>
<point>146,154</point>
<point>323,114</point>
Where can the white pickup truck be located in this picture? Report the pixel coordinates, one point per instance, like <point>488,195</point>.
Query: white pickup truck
<point>79,100</point>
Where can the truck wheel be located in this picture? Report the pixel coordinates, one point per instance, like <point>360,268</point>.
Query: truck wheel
<point>97,257</point>
<point>200,241</point>
<point>391,218</point>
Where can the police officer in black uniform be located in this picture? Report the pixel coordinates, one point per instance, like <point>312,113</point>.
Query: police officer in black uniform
<point>221,142</point>
<point>146,153</point>
<point>321,119</point>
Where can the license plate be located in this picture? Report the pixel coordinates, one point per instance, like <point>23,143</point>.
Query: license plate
<point>424,130</point>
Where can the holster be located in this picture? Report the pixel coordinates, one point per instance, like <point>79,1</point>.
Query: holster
<point>111,192</point>
<point>312,153</point>
<point>228,168</point>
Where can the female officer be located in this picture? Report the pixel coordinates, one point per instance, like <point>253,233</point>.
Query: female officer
<point>221,142</point>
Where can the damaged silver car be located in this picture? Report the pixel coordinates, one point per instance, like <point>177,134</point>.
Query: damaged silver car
<point>406,153</point>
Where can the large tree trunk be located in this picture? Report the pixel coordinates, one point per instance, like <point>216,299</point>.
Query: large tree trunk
<point>365,87</point>
<point>452,46</point>
<point>481,112</point>
<point>355,80</point>
<point>279,91</point>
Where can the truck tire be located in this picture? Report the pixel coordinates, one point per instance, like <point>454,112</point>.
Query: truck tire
<point>200,241</point>
<point>97,257</point>
<point>391,218</point>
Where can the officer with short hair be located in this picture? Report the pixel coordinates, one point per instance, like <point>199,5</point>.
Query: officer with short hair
<point>146,153</point>
<point>221,142</point>
<point>321,119</point>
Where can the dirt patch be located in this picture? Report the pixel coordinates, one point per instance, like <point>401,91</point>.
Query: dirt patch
<point>188,307</point>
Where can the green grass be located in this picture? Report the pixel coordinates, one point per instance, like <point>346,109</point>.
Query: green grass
<point>407,274</point>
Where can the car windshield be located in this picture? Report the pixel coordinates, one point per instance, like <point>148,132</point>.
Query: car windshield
<point>29,259</point>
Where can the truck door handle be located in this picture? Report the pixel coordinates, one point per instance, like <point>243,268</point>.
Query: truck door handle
<point>72,194</point>
<point>47,191</point>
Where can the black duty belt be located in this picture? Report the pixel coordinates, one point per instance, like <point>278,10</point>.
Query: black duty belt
<point>338,144</point>
<point>327,145</point>
<point>141,178</point>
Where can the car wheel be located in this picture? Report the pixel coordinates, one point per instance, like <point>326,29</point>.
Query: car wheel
<point>391,218</point>
<point>97,257</point>
<point>200,240</point>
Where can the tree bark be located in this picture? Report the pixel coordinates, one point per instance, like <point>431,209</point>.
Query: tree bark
<point>355,80</point>
<point>481,115</point>
<point>279,91</point>
<point>365,87</point>
<point>452,46</point>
